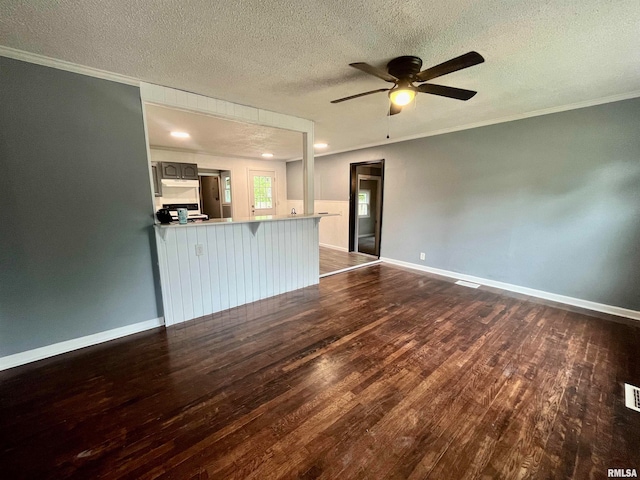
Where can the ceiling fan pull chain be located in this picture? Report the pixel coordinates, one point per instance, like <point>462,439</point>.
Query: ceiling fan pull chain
<point>388,120</point>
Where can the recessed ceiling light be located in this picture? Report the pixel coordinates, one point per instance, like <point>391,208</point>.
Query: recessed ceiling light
<point>180,134</point>
<point>321,145</point>
<point>267,155</point>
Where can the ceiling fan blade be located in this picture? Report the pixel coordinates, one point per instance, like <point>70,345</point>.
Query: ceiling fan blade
<point>360,95</point>
<point>394,109</point>
<point>463,61</point>
<point>451,92</point>
<point>371,70</point>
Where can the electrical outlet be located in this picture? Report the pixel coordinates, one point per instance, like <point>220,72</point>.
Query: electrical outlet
<point>422,256</point>
<point>199,250</point>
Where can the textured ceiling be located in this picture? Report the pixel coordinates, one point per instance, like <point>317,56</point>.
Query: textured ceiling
<point>220,137</point>
<point>292,56</point>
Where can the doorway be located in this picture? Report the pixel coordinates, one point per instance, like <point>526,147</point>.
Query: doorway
<point>365,207</point>
<point>210,195</point>
<point>262,191</point>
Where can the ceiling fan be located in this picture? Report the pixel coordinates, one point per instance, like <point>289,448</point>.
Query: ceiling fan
<point>403,72</point>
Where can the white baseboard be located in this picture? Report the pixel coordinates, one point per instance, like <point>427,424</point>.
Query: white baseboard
<point>576,302</point>
<point>29,356</point>
<point>334,247</point>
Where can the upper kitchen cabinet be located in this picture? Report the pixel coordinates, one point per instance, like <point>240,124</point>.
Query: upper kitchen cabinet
<point>170,170</point>
<point>183,171</point>
<point>189,171</point>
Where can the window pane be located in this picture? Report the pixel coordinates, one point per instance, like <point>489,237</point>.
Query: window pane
<point>363,203</point>
<point>226,184</point>
<point>262,192</point>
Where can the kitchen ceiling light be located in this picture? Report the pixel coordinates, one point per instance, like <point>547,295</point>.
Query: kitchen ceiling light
<point>180,134</point>
<point>267,155</point>
<point>321,145</point>
<point>402,96</point>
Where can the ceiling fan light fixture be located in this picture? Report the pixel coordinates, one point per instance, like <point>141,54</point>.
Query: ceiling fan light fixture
<point>402,96</point>
<point>403,71</point>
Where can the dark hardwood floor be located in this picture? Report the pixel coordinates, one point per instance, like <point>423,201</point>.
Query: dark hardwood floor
<point>375,373</point>
<point>367,245</point>
<point>332,260</point>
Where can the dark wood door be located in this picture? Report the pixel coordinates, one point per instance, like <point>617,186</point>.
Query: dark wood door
<point>375,169</point>
<point>210,193</point>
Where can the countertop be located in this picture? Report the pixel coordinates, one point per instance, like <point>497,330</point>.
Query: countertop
<point>258,219</point>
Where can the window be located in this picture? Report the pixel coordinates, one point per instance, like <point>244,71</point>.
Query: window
<point>364,197</point>
<point>262,194</point>
<point>226,181</point>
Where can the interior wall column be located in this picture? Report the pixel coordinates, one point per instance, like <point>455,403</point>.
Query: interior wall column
<point>307,171</point>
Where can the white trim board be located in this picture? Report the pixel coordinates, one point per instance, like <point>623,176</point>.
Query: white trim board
<point>193,102</point>
<point>67,66</point>
<point>334,247</point>
<point>576,302</point>
<point>348,269</point>
<point>29,356</point>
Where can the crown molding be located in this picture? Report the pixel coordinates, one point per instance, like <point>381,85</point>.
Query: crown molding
<point>485,123</point>
<point>116,77</point>
<point>67,66</point>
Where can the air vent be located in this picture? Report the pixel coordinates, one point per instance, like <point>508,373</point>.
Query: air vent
<point>467,284</point>
<point>632,397</point>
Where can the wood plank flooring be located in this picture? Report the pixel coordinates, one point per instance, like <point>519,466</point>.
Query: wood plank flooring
<point>367,245</point>
<point>332,260</point>
<point>376,373</point>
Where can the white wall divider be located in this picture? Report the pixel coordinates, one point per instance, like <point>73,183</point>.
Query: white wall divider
<point>170,97</point>
<point>241,263</point>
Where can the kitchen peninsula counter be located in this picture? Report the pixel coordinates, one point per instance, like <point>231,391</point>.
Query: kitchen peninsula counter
<point>256,219</point>
<point>213,265</point>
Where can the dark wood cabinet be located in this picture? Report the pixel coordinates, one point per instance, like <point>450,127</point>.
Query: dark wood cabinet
<point>182,171</point>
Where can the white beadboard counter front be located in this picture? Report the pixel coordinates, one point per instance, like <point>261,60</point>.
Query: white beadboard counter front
<point>210,266</point>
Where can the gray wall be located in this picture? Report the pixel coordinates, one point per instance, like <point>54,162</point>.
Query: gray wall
<point>550,202</point>
<point>76,204</point>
